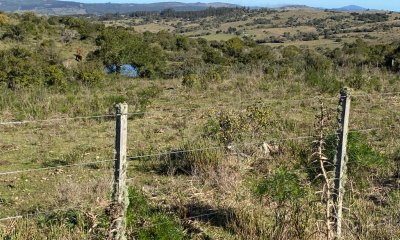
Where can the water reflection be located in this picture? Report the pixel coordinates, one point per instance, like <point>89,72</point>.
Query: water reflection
<point>126,70</point>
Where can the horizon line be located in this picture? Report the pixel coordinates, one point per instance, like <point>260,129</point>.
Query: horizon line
<point>226,2</point>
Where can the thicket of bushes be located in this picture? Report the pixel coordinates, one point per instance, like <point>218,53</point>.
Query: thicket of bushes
<point>168,55</point>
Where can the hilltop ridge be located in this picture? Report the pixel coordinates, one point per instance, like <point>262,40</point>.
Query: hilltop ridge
<point>55,7</point>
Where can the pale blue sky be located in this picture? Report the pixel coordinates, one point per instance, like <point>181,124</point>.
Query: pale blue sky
<point>373,4</point>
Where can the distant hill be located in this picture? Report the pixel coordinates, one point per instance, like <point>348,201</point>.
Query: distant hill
<point>297,7</point>
<point>351,8</point>
<point>55,7</point>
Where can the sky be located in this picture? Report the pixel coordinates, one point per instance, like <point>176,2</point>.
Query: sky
<point>372,4</point>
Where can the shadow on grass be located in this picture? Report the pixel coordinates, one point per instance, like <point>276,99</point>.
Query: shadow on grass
<point>221,217</point>
<point>55,163</point>
<point>62,163</point>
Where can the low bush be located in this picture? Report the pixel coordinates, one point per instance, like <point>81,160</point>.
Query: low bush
<point>280,187</point>
<point>90,73</point>
<point>146,222</point>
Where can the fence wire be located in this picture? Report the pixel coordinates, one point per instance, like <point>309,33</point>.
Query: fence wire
<point>167,153</point>
<point>159,154</point>
<point>57,119</point>
<point>56,167</point>
<point>243,103</point>
<point>35,214</point>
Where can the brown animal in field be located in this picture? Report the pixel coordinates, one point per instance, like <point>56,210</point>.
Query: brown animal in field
<point>78,55</point>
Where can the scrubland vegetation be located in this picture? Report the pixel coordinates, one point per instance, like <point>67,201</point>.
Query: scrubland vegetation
<point>244,105</point>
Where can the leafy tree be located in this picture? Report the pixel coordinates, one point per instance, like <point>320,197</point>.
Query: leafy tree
<point>15,32</point>
<point>85,28</point>
<point>258,55</point>
<point>182,43</point>
<point>214,56</point>
<point>358,51</point>
<point>317,61</point>
<point>165,39</point>
<point>234,47</point>
<point>20,68</point>
<point>118,46</point>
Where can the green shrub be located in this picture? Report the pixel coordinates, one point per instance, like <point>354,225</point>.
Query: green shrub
<point>70,218</point>
<point>362,155</point>
<point>190,80</point>
<point>57,77</point>
<point>90,73</point>
<point>231,126</point>
<point>213,75</point>
<point>357,80</point>
<point>375,84</point>
<point>21,68</point>
<point>363,160</point>
<point>146,222</point>
<point>317,62</point>
<point>15,32</point>
<point>214,56</point>
<point>281,186</point>
<point>234,47</point>
<point>323,82</point>
<point>164,228</point>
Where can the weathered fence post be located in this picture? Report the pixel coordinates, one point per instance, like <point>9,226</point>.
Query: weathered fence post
<point>120,192</point>
<point>341,161</point>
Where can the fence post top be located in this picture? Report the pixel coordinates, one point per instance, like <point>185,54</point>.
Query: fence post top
<point>345,92</point>
<point>121,108</point>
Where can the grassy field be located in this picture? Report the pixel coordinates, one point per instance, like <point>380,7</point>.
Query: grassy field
<point>166,126</point>
<point>212,28</point>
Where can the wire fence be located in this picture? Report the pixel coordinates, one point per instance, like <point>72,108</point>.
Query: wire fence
<point>36,214</point>
<point>242,103</point>
<point>167,153</point>
<point>56,167</point>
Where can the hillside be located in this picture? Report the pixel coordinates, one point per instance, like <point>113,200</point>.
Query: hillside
<point>351,8</point>
<point>55,7</point>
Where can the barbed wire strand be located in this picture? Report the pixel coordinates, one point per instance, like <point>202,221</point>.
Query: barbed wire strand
<point>56,167</point>
<point>248,143</point>
<point>259,101</point>
<point>189,109</point>
<point>374,95</point>
<point>154,110</point>
<point>194,217</point>
<point>216,147</point>
<point>57,119</point>
<point>27,215</point>
<point>159,154</point>
<point>69,208</point>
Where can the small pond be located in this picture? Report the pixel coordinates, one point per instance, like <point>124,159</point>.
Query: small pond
<point>127,70</point>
